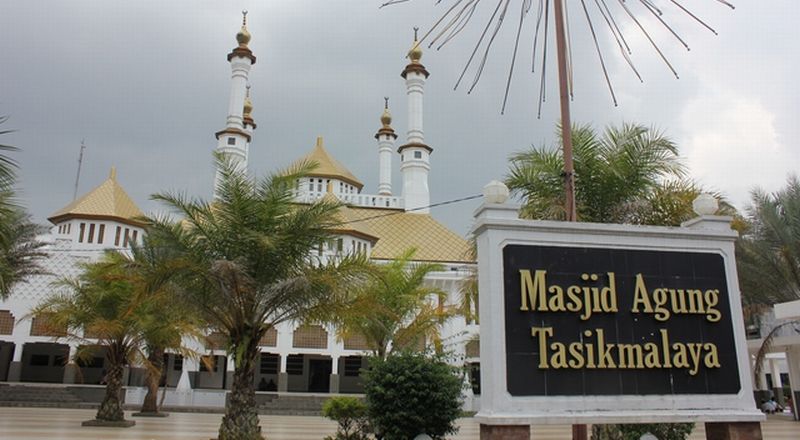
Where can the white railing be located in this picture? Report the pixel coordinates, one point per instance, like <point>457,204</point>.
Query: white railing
<point>361,200</point>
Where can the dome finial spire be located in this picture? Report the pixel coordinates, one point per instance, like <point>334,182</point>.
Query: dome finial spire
<point>415,54</point>
<point>243,36</point>
<point>386,117</point>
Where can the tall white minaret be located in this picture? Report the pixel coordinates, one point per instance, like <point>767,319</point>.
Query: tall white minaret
<point>385,137</point>
<point>415,154</point>
<point>233,141</point>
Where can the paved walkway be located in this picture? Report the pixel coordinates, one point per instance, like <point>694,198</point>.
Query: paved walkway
<point>64,424</point>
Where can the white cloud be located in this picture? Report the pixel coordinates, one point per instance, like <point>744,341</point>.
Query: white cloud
<point>732,145</point>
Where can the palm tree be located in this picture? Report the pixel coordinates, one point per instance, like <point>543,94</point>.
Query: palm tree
<point>19,248</point>
<point>393,309</point>
<point>248,266</point>
<point>153,269</point>
<point>104,303</point>
<point>620,176</point>
<point>768,256</point>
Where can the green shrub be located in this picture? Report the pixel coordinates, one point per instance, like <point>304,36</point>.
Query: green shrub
<point>351,414</point>
<point>410,394</point>
<point>662,431</point>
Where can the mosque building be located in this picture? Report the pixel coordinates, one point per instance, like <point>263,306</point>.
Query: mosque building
<point>383,224</point>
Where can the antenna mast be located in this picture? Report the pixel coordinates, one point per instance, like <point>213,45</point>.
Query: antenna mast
<point>78,175</point>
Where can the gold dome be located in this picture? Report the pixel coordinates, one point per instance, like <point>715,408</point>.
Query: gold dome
<point>415,54</point>
<point>386,118</point>
<point>243,36</point>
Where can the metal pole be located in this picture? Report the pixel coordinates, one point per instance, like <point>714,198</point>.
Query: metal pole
<point>566,125</point>
<point>579,432</point>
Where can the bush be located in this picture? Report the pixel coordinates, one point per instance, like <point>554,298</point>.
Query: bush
<point>662,431</point>
<point>410,394</point>
<point>351,414</point>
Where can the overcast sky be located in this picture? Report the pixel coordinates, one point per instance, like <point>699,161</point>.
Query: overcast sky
<point>146,84</point>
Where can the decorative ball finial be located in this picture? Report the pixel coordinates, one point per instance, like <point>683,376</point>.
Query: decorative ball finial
<point>415,54</point>
<point>243,36</point>
<point>113,174</point>
<point>495,192</point>
<point>386,117</point>
<point>705,204</point>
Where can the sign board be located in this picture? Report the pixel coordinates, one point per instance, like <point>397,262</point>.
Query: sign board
<point>594,323</point>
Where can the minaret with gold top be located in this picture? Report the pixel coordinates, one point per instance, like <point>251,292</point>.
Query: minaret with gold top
<point>248,121</point>
<point>385,137</point>
<point>233,141</point>
<point>415,154</point>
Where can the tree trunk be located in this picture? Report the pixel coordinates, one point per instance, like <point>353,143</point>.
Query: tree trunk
<point>241,412</point>
<point>156,360</point>
<point>111,408</point>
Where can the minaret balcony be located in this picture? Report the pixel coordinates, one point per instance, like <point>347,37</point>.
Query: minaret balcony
<point>356,200</point>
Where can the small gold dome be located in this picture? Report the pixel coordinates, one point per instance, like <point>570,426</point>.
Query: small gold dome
<point>243,37</point>
<point>248,106</point>
<point>415,54</point>
<point>386,118</point>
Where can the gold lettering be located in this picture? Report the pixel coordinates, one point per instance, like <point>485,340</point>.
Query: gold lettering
<point>696,304</point>
<point>576,353</point>
<point>559,358</point>
<point>665,348</point>
<point>712,299</point>
<point>651,358</point>
<point>694,352</point>
<point>604,351</point>
<point>678,300</point>
<point>574,297</point>
<point>542,333</point>
<point>660,298</point>
<point>556,302</point>
<point>640,296</point>
<point>681,359</point>
<point>589,351</point>
<point>630,356</point>
<point>712,356</point>
<point>587,304</point>
<point>533,290</point>
<point>609,294</point>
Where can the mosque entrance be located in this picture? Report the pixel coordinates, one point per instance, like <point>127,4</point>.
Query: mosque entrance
<point>319,373</point>
<point>43,362</point>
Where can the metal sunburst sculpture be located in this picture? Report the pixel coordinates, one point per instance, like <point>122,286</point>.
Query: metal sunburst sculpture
<point>460,14</point>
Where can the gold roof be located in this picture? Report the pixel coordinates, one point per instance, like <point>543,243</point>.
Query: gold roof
<point>327,166</point>
<point>397,231</point>
<point>108,200</point>
<point>351,225</point>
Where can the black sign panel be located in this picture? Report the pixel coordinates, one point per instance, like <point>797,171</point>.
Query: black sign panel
<point>586,321</point>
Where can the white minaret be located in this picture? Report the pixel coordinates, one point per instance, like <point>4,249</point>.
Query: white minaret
<point>415,155</point>
<point>385,137</point>
<point>249,123</point>
<point>233,141</point>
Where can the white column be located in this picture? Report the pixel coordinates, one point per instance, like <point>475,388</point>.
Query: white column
<point>240,70</point>
<point>793,360</point>
<point>776,373</point>
<point>385,151</point>
<point>415,89</point>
